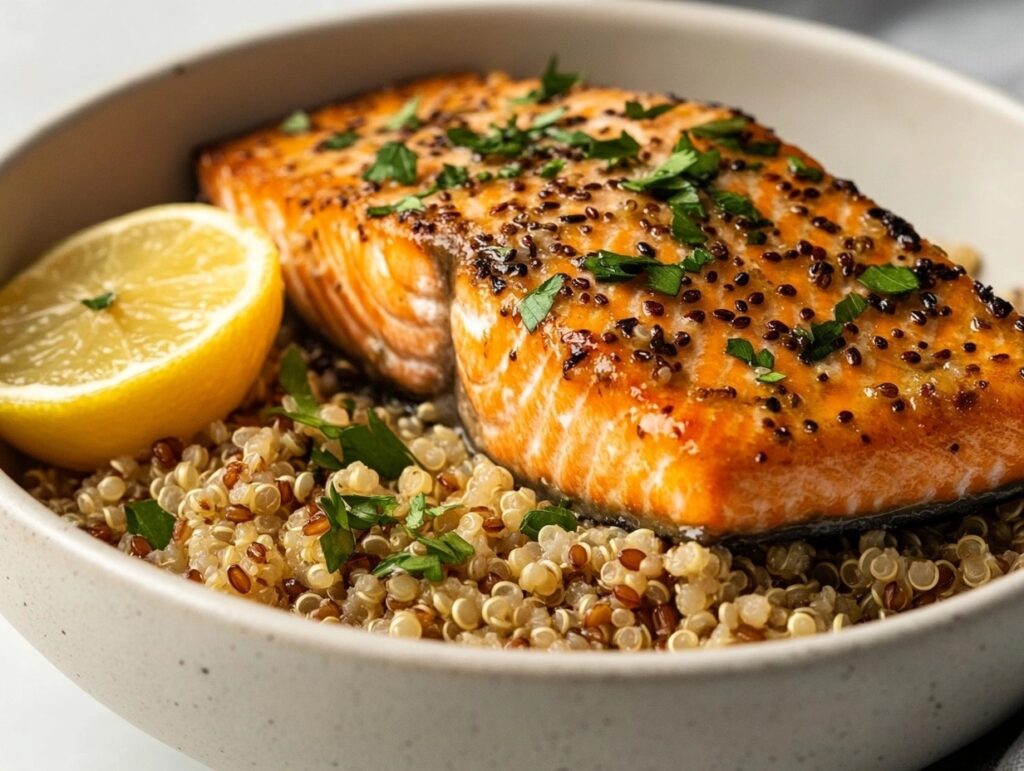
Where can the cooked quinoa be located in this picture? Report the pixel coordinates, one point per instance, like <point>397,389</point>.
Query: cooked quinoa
<point>247,499</point>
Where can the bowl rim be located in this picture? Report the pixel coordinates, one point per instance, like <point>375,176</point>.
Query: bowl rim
<point>275,625</point>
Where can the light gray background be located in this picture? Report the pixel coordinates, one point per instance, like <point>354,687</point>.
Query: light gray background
<point>56,52</point>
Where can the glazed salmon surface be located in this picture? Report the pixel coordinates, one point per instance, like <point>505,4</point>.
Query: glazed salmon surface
<point>636,401</point>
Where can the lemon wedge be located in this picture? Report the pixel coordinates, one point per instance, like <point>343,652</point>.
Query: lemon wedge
<point>148,325</point>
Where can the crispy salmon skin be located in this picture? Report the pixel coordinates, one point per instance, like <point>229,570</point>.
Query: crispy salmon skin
<point>652,306</point>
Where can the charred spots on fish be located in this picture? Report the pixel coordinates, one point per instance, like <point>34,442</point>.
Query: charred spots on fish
<point>898,228</point>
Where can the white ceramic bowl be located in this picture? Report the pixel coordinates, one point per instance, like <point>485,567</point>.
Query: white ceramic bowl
<point>235,684</point>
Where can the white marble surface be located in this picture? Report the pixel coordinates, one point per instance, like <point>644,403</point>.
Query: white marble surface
<point>56,52</point>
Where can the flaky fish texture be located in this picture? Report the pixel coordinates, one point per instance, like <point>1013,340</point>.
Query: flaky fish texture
<point>660,311</point>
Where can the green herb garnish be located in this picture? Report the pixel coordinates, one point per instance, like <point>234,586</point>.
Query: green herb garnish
<point>394,161</point>
<point>536,305</point>
<point>452,176</point>
<point>447,549</point>
<point>406,203</point>
<point>725,127</point>
<point>615,151</point>
<point>667,279</point>
<point>547,119</point>
<point>685,230</point>
<point>889,279</point>
<point>849,308</point>
<point>419,511</point>
<point>736,204</point>
<point>550,169</point>
<point>373,443</point>
<point>510,171</point>
<point>148,519</point>
<point>326,459</point>
<point>537,519</point>
<point>339,140</point>
<point>609,266</point>
<point>762,362</point>
<point>552,83</point>
<point>698,259</point>
<point>803,170</point>
<point>665,175</point>
<point>820,340</point>
<point>298,122</point>
<point>508,140</point>
<point>405,118</point>
<point>100,302</point>
<point>636,111</point>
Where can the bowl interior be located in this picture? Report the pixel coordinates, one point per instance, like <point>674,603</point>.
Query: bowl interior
<point>917,139</point>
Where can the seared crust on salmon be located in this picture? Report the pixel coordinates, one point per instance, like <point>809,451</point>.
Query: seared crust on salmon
<point>784,381</point>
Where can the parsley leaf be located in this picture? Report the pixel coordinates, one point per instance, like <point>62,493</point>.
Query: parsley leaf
<point>687,200</point>
<point>508,140</point>
<point>849,308</point>
<point>394,161</point>
<point>372,443</point>
<point>665,175</point>
<point>100,302</point>
<point>546,119</point>
<point>406,203</point>
<point>685,230</point>
<point>820,340</point>
<point>148,519</point>
<point>667,279</point>
<point>537,519</point>
<point>550,169</point>
<point>426,565</point>
<point>347,513</point>
<point>736,204</point>
<point>298,122</point>
<point>419,511</point>
<point>536,305</point>
<point>706,165</point>
<point>609,266</point>
<point>766,148</point>
<point>365,511</point>
<point>510,171</point>
<point>803,170</point>
<point>405,118</point>
<point>452,176</point>
<point>636,111</point>
<point>889,279</point>
<point>552,83</point>
<point>326,459</point>
<point>339,140</point>
<point>615,151</point>
<point>725,127</point>
<point>377,446</point>
<point>698,259</point>
<point>762,362</point>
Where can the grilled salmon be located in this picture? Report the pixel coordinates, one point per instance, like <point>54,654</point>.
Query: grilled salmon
<point>653,306</point>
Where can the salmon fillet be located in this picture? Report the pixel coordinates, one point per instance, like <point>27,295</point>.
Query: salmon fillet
<point>663,312</point>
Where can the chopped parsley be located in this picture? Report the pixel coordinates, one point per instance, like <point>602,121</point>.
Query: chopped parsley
<point>763,363</point>
<point>685,230</point>
<point>419,511</point>
<point>547,119</point>
<point>537,519</point>
<point>510,171</point>
<point>665,176</point>
<point>447,549</point>
<point>820,340</point>
<point>803,170</point>
<point>452,176</point>
<point>667,279</point>
<point>326,459</point>
<point>538,303</point>
<point>889,279</point>
<point>505,140</point>
<point>636,111</point>
<point>609,266</point>
<point>347,513</point>
<point>406,203</point>
<point>552,83</point>
<point>298,122</point>
<point>405,118</point>
<point>687,200</point>
<point>736,204</point>
<point>725,127</point>
<point>550,169</point>
<point>615,151</point>
<point>373,443</point>
<point>100,302</point>
<point>698,259</point>
<point>148,519</point>
<point>394,161</point>
<point>849,308</point>
<point>339,140</point>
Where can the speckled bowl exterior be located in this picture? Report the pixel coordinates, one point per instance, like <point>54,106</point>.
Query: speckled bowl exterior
<point>239,686</point>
